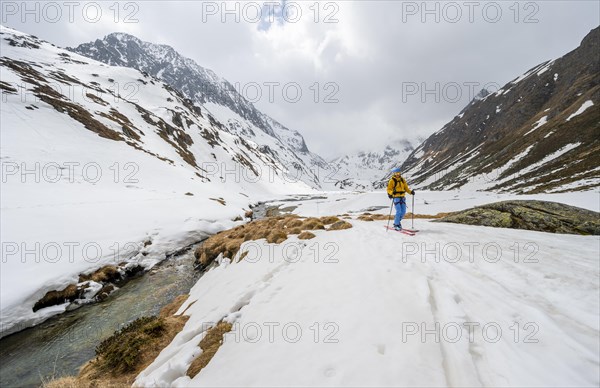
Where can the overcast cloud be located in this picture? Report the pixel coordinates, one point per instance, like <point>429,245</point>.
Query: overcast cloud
<point>375,58</point>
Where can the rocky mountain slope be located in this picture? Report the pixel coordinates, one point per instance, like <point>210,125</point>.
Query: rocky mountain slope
<point>108,156</point>
<point>538,133</point>
<point>215,94</point>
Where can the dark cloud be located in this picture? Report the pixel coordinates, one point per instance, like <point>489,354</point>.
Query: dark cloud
<point>394,70</point>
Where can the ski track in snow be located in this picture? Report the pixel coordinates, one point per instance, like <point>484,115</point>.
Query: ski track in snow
<point>377,288</point>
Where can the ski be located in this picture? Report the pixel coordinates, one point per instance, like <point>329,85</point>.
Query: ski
<point>411,230</point>
<point>404,231</point>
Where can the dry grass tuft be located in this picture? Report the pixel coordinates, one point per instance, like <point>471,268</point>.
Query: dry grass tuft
<point>74,382</point>
<point>340,225</point>
<point>273,229</point>
<point>219,200</point>
<point>295,230</point>
<point>53,298</point>
<point>294,223</point>
<point>329,220</point>
<point>382,217</point>
<point>172,307</point>
<point>211,342</point>
<point>106,274</point>
<point>306,236</point>
<point>119,353</point>
<point>95,374</point>
<point>276,237</point>
<point>312,224</point>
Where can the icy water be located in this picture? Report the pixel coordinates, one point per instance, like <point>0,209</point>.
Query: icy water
<point>61,345</point>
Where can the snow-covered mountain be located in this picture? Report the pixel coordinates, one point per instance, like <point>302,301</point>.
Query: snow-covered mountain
<point>215,94</point>
<point>86,159</point>
<point>538,133</point>
<point>365,170</point>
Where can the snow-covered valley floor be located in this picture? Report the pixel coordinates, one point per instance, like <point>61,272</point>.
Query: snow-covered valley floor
<point>455,305</point>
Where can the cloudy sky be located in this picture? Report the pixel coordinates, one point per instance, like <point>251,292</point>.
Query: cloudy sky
<point>349,75</point>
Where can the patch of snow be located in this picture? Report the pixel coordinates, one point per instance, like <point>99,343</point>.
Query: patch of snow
<point>538,124</point>
<point>581,109</point>
<point>550,157</point>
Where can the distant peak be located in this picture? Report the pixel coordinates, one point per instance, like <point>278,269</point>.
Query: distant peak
<point>122,36</point>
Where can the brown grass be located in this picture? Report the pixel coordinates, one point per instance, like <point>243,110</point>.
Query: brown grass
<point>107,276</point>
<point>172,307</point>
<point>329,220</point>
<point>211,342</point>
<point>53,298</point>
<point>274,229</point>
<point>7,88</point>
<point>295,230</point>
<point>340,225</point>
<point>108,273</point>
<point>312,224</point>
<point>294,223</point>
<point>220,200</point>
<point>94,375</point>
<point>105,292</point>
<point>306,236</point>
<point>77,112</point>
<point>276,237</point>
<point>74,382</point>
<point>364,217</point>
<point>96,99</point>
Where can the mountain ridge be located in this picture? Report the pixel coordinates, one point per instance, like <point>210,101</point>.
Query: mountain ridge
<point>535,134</point>
<point>204,87</point>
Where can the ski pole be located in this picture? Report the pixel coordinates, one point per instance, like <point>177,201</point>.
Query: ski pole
<point>390,215</point>
<point>413,212</point>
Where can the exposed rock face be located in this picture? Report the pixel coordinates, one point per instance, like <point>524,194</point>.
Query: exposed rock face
<point>204,87</point>
<point>531,215</point>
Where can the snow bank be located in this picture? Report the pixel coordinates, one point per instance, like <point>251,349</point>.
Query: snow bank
<point>455,305</point>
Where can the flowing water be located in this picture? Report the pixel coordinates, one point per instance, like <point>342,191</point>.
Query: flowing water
<point>64,343</point>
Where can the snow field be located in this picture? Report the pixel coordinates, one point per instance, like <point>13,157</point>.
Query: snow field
<point>455,305</point>
<point>73,201</point>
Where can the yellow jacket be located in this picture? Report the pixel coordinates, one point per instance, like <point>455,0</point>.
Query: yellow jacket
<point>398,188</point>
